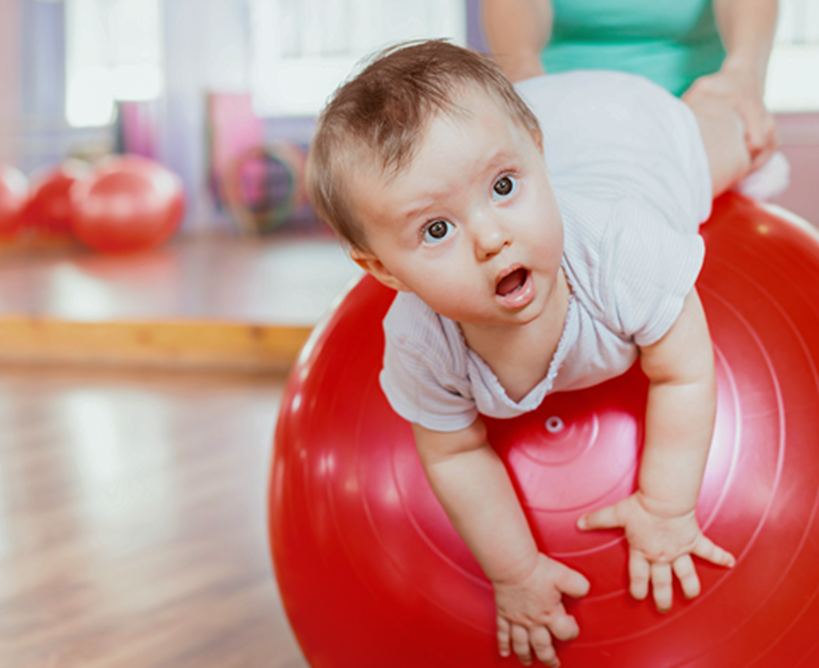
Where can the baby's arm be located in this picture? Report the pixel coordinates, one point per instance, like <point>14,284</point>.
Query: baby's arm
<point>659,518</point>
<point>474,488</point>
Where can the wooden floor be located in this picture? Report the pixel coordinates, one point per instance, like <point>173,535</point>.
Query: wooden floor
<point>213,303</point>
<point>264,280</point>
<point>133,501</point>
<point>132,521</point>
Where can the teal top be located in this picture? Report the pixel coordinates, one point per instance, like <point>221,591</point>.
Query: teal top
<point>671,42</point>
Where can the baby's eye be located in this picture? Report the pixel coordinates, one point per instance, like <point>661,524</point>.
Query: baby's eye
<point>437,231</point>
<point>504,187</point>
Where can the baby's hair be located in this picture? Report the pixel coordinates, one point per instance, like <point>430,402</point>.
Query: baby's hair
<point>379,117</point>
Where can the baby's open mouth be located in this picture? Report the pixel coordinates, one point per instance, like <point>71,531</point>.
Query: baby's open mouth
<point>511,283</point>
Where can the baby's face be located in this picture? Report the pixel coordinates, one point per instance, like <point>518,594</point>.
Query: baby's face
<point>471,225</point>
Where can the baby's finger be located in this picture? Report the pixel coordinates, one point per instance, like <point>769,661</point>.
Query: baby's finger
<point>504,637</point>
<point>706,549</point>
<point>684,570</point>
<point>605,518</point>
<point>570,582</point>
<point>563,626</point>
<point>520,644</point>
<point>661,586</point>
<point>639,573</point>
<point>541,641</point>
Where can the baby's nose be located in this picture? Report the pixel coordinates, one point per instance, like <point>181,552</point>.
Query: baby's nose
<point>490,240</point>
<point>491,235</point>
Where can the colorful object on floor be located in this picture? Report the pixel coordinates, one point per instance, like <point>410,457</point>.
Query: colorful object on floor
<point>128,204</point>
<point>136,127</point>
<point>13,192</point>
<point>232,128</point>
<point>265,186</point>
<point>48,209</point>
<point>372,574</point>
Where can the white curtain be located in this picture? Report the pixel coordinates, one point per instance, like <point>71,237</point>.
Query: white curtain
<point>113,52</point>
<point>303,49</point>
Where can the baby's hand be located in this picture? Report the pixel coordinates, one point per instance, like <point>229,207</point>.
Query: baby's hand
<point>531,611</point>
<point>658,545</point>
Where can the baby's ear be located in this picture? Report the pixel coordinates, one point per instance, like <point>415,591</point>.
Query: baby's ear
<point>372,265</point>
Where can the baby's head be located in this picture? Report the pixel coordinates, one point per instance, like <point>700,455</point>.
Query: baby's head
<point>423,163</point>
<point>379,118</point>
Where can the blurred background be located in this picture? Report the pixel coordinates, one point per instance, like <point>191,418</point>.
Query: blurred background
<point>198,84</point>
<point>194,84</point>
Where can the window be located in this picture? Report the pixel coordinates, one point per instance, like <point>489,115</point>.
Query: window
<point>113,52</point>
<point>793,72</point>
<point>303,49</point>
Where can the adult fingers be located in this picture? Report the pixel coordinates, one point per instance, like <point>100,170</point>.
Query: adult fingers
<point>520,644</point>
<point>769,145</point>
<point>686,573</point>
<point>504,630</point>
<point>760,130</point>
<point>661,586</point>
<point>541,641</point>
<point>754,117</point>
<point>760,159</point>
<point>706,549</point>
<point>639,574</point>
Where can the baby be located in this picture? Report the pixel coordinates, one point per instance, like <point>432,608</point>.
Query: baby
<point>537,246</point>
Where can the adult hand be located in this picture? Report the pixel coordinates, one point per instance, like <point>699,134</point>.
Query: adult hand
<point>742,90</point>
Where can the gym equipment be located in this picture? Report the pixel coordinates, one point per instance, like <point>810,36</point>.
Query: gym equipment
<point>373,575</point>
<point>48,208</point>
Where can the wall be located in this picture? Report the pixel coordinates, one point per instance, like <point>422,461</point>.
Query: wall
<point>799,137</point>
<point>9,80</point>
<point>44,136</point>
<point>206,48</point>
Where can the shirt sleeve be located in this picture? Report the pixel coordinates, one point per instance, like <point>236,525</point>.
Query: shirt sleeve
<point>423,376</point>
<point>648,269</point>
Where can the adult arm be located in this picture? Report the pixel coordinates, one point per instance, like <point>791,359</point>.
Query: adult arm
<point>516,31</point>
<point>474,488</point>
<point>659,518</point>
<point>747,30</point>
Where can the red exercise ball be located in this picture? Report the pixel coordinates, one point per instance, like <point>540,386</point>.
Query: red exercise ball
<point>48,209</point>
<point>373,575</point>
<point>128,204</point>
<point>13,190</point>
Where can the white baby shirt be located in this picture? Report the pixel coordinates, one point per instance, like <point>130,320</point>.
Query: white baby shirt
<point>631,178</point>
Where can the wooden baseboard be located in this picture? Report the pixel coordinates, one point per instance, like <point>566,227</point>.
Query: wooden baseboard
<point>201,345</point>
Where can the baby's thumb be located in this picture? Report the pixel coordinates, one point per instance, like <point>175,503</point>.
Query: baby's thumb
<point>605,518</point>
<point>571,583</point>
